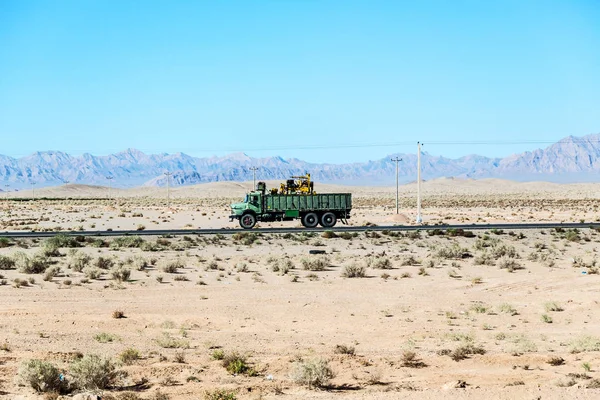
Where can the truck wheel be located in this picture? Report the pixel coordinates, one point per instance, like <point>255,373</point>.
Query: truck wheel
<point>328,220</point>
<point>310,220</point>
<point>247,221</point>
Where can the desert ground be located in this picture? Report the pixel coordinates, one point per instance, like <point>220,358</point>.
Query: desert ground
<point>380,315</point>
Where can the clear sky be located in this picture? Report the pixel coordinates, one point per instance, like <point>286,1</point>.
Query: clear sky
<point>281,77</point>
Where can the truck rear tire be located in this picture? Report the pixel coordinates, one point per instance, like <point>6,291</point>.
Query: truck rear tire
<point>328,220</point>
<point>247,221</point>
<point>310,220</point>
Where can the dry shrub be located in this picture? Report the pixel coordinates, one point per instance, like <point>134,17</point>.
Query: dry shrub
<point>343,349</point>
<point>319,263</point>
<point>31,265</point>
<point>77,261</point>
<point>129,356</point>
<point>219,394</point>
<point>92,272</point>
<point>411,360</point>
<point>464,351</point>
<point>120,273</point>
<point>453,252</point>
<point>382,263</point>
<point>312,373</point>
<point>42,376</point>
<point>6,263</point>
<point>354,271</point>
<point>236,363</point>
<point>171,267</point>
<point>509,264</point>
<point>104,263</point>
<point>94,372</point>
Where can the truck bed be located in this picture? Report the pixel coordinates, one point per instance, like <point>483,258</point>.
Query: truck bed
<point>310,202</point>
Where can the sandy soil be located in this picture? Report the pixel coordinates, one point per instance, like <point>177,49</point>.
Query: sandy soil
<point>518,298</point>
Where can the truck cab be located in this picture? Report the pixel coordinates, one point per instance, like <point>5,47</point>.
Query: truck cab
<point>247,210</point>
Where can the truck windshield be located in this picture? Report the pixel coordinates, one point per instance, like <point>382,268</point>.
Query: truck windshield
<point>246,199</point>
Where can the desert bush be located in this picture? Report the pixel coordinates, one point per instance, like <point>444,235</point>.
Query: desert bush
<point>343,349</point>
<point>92,272</point>
<point>51,250</point>
<point>504,251</point>
<point>347,235</point>
<point>509,264</point>
<point>105,337</point>
<point>94,372</point>
<point>245,238</point>
<point>118,314</point>
<point>409,261</point>
<point>31,265</point>
<point>556,361</point>
<point>328,235</point>
<point>120,273</point>
<point>220,394</point>
<point>508,309</point>
<point>51,272</point>
<point>171,267</point>
<point>129,356</point>
<point>104,263</point>
<point>464,351</point>
<point>319,263</point>
<point>77,261</point>
<point>179,357</point>
<point>6,263</point>
<point>484,258</point>
<point>5,242</point>
<point>546,318</point>
<point>382,263</point>
<point>168,342</point>
<point>62,240</point>
<point>552,306</point>
<point>411,360</point>
<point>354,271</point>
<point>572,235</point>
<point>127,242</point>
<point>42,376</point>
<point>585,344</point>
<point>312,373</point>
<point>236,363</point>
<point>139,263</point>
<point>217,354</point>
<point>452,252</point>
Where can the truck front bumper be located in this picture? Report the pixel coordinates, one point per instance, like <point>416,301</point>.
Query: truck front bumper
<point>233,216</point>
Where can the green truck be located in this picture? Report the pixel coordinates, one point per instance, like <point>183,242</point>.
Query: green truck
<point>285,205</point>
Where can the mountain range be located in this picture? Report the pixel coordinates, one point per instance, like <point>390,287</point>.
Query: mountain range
<point>572,159</point>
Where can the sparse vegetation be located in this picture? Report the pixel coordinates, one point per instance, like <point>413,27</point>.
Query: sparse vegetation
<point>314,373</point>
<point>42,376</point>
<point>94,372</point>
<point>354,271</point>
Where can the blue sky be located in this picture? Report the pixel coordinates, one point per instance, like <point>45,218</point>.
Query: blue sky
<point>285,77</point>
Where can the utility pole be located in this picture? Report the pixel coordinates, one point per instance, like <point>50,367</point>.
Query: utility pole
<point>110,178</point>
<point>6,194</point>
<point>168,174</point>
<point>254,169</point>
<point>33,190</point>
<point>397,161</point>
<point>419,218</point>
<point>66,183</point>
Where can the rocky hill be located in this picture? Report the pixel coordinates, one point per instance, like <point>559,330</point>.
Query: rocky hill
<point>573,159</point>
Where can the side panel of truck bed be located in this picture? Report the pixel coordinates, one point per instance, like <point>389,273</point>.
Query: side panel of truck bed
<point>317,202</point>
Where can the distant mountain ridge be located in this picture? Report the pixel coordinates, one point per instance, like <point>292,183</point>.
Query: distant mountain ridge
<point>573,159</point>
